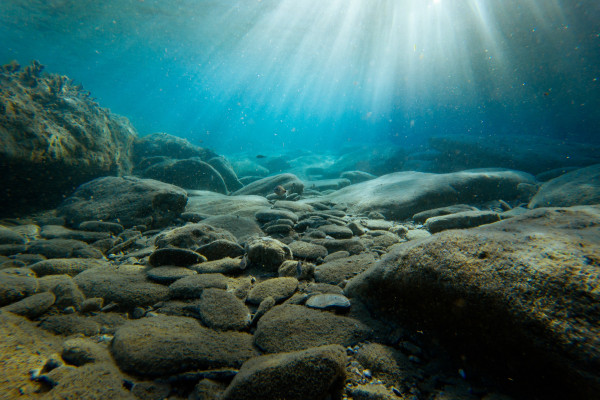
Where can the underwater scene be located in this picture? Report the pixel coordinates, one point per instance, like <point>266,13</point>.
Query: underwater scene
<point>300,199</point>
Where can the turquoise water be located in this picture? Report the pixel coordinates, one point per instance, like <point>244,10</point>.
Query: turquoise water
<point>274,76</point>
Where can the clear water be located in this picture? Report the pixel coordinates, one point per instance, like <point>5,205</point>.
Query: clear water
<point>269,76</point>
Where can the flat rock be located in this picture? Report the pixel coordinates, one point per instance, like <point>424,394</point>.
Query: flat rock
<point>68,266</point>
<point>293,327</point>
<point>328,301</point>
<point>336,271</point>
<point>130,201</point>
<point>376,224</point>
<point>265,186</point>
<point>70,324</point>
<point>63,248</point>
<point>61,232</point>
<point>128,288</point>
<point>400,195</point>
<point>357,176</point>
<point>352,246</point>
<point>8,236</point>
<point>16,287</point>
<point>168,274</point>
<point>504,294</point>
<point>579,187</point>
<point>461,220</point>
<point>240,227</point>
<point>174,256</point>
<point>307,251</point>
<point>273,214</point>
<point>327,184</point>
<point>336,231</point>
<point>308,374</point>
<point>166,345</point>
<point>101,226</point>
<point>221,248</point>
<point>32,306</point>
<point>191,236</point>
<point>278,288</point>
<point>436,212</point>
<point>192,286</point>
<point>227,266</point>
<point>210,203</point>
<point>221,310</point>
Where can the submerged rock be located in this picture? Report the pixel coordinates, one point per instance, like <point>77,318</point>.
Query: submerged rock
<point>265,186</point>
<point>189,173</point>
<point>518,296</point>
<point>579,187</point>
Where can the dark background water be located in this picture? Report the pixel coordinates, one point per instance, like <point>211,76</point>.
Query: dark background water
<point>283,75</point>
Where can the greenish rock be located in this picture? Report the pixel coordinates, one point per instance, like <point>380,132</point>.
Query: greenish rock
<point>277,288</point>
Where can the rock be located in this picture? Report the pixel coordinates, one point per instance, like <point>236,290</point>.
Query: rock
<point>63,248</point>
<point>221,310</point>
<point>271,214</point>
<point>357,176</point>
<point>400,195</point>
<point>521,152</point>
<point>308,374</point>
<point>376,224</point>
<point>174,256</point>
<point>221,248</point>
<point>191,236</point>
<point>249,168</point>
<point>579,187</point>
<point>504,295</point>
<point>53,137</point>
<point>293,327</point>
<point>130,201</point>
<point>327,184</point>
<point>65,290</point>
<point>60,232</point>
<point>127,288</point>
<point>32,306</point>
<point>461,220</point>
<point>70,324</point>
<point>226,266</point>
<point>277,288</point>
<point>352,246</point>
<point>101,226</point>
<point>14,287</point>
<point>92,304</point>
<point>267,253</point>
<point>336,255</point>
<point>163,144</point>
<point>226,171</point>
<point>278,229</point>
<point>240,227</point>
<point>328,302</point>
<point>68,266</point>
<point>265,186</point>
<point>191,173</point>
<point>81,351</point>
<point>164,345</point>
<point>336,231</point>
<point>7,236</point>
<point>307,251</point>
<point>167,275</point>
<point>390,365</point>
<point>371,392</point>
<point>383,239</point>
<point>336,271</point>
<point>192,286</point>
<point>436,212</point>
<point>210,203</point>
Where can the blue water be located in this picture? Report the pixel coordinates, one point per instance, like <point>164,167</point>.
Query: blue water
<point>270,76</point>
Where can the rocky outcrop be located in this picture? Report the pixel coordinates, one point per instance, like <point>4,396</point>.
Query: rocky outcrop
<point>579,187</point>
<point>53,137</point>
<point>520,295</point>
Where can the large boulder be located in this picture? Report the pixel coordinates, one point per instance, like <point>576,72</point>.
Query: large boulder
<point>579,187</point>
<point>164,145</point>
<point>519,296</point>
<point>521,152</point>
<point>402,194</point>
<point>53,137</point>
<point>191,173</point>
<point>130,201</point>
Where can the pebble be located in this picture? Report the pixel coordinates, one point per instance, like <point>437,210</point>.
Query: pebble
<point>328,301</point>
<point>175,256</point>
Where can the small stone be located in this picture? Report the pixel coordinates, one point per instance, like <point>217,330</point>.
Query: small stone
<point>138,313</point>
<point>268,214</point>
<point>175,256</point>
<point>168,275</point>
<point>92,304</point>
<point>336,231</point>
<point>278,288</point>
<point>219,249</point>
<point>328,302</point>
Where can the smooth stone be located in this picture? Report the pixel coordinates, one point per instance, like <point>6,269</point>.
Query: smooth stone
<point>216,204</point>
<point>168,345</point>
<point>174,256</point>
<point>579,187</point>
<point>221,310</point>
<point>265,186</point>
<point>336,255</point>
<point>93,304</point>
<point>357,176</point>
<point>240,227</point>
<point>323,288</point>
<point>167,274</point>
<point>70,324</point>
<point>327,184</point>
<point>307,251</point>
<point>63,248</point>
<point>352,246</point>
<point>296,269</point>
<point>32,306</point>
<point>81,351</point>
<point>328,302</point>
<point>336,271</point>
<point>308,374</point>
<point>461,220</point>
<point>65,290</point>
<point>68,266</point>
<point>383,239</point>
<point>192,286</point>
<point>272,214</point>
<point>14,287</point>
<point>125,286</point>
<point>336,231</point>
<point>227,173</point>
<point>376,224</point>
<point>191,236</point>
<point>278,288</point>
<point>60,232</point>
<point>267,252</point>
<point>356,228</point>
<point>7,236</point>
<point>129,200</point>
<point>436,212</point>
<point>294,327</point>
<point>226,266</point>
<point>101,226</point>
<point>12,249</point>
<point>220,248</point>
